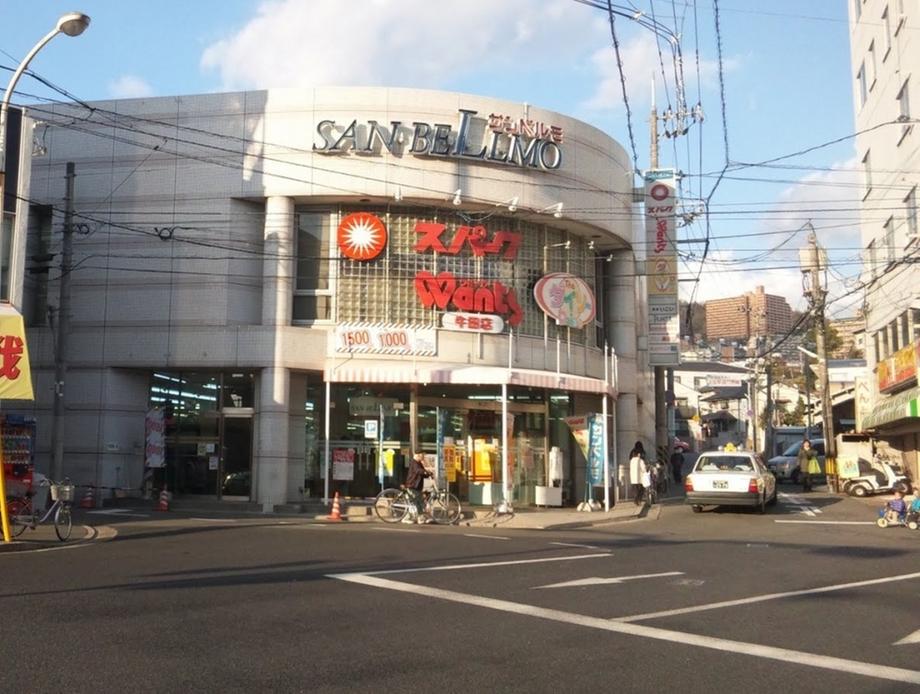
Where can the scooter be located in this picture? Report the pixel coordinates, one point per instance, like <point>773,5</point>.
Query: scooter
<point>880,477</point>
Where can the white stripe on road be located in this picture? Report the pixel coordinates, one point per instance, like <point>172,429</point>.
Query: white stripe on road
<point>571,544</point>
<point>598,581</point>
<point>397,530</point>
<point>769,596</point>
<point>736,647</point>
<point>214,520</point>
<point>454,567</point>
<point>824,522</point>
<point>486,537</point>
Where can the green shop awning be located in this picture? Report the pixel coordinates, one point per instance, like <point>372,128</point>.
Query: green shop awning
<point>900,406</point>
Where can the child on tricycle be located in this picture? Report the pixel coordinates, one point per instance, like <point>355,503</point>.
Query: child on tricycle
<point>894,512</point>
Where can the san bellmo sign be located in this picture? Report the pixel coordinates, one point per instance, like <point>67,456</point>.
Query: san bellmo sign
<point>499,139</point>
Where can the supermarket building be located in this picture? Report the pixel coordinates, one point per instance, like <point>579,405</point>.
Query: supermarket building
<point>270,285</point>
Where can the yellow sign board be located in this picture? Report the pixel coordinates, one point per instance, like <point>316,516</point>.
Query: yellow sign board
<point>15,371</point>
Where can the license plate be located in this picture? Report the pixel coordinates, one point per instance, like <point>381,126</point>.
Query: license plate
<point>720,484</point>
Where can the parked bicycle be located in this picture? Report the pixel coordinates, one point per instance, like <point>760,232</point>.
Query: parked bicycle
<point>393,505</point>
<point>22,513</point>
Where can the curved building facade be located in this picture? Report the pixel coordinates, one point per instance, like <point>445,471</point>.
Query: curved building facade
<point>280,294</point>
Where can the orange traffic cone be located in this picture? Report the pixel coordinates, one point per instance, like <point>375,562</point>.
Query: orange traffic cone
<point>336,514</point>
<point>163,504</point>
<point>87,501</point>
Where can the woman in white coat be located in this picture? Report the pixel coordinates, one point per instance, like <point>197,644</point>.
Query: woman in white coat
<point>637,471</point>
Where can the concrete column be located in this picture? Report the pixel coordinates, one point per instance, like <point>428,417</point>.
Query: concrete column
<point>272,460</point>
<point>278,264</point>
<point>621,325</point>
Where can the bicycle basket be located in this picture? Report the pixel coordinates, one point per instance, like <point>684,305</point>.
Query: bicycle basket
<point>62,492</point>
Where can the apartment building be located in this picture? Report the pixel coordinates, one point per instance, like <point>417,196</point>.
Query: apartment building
<point>753,314</point>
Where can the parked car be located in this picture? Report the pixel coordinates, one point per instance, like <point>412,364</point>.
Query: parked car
<point>786,466</point>
<point>736,478</point>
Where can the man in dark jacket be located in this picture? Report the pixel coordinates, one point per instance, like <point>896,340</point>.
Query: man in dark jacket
<point>415,482</point>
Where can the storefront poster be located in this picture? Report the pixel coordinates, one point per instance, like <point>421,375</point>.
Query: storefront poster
<point>343,464</point>
<point>15,371</point>
<point>155,445</point>
<point>567,299</point>
<point>596,449</point>
<point>579,429</point>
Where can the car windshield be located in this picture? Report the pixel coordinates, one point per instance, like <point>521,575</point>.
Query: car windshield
<point>793,450</point>
<point>724,463</point>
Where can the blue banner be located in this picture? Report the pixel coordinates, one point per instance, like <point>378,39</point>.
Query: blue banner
<point>595,472</point>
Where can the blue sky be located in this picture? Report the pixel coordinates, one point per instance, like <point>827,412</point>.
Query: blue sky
<point>786,67</point>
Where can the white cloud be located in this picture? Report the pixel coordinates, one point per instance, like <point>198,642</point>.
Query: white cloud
<point>129,87</point>
<point>640,64</point>
<point>393,42</point>
<point>829,200</point>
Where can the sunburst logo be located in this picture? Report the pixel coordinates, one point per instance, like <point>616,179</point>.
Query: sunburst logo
<point>361,236</point>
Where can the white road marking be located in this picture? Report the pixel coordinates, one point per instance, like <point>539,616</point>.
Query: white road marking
<point>910,638</point>
<point>214,520</point>
<point>824,522</point>
<point>486,537</point>
<point>455,567</point>
<point>597,581</point>
<point>122,512</point>
<point>397,530</point>
<point>801,502</point>
<point>769,596</point>
<point>736,647</point>
<point>571,544</point>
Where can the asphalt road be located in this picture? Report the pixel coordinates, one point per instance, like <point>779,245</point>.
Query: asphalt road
<point>810,597</point>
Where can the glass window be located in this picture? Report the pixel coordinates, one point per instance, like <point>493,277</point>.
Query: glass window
<point>312,307</point>
<point>238,390</point>
<point>886,23</point>
<point>871,66</point>
<point>905,329</point>
<point>894,346</point>
<point>888,240</point>
<point>863,91</point>
<point>867,172</point>
<point>904,108</point>
<point>915,315</point>
<point>872,257</point>
<point>313,288</point>
<point>885,351</point>
<point>910,205</point>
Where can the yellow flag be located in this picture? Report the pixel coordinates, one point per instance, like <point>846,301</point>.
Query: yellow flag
<point>15,371</point>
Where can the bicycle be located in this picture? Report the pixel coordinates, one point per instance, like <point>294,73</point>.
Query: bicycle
<point>393,505</point>
<point>22,514</point>
<point>652,493</point>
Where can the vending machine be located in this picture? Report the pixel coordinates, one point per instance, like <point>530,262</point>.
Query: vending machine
<point>17,436</point>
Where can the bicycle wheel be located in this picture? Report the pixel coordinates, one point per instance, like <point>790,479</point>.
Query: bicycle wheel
<point>19,516</point>
<point>391,505</point>
<point>445,509</point>
<point>63,523</point>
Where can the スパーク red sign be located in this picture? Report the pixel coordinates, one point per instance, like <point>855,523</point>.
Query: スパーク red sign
<point>476,237</point>
<point>468,295</point>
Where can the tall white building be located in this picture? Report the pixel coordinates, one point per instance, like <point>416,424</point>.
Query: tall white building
<point>301,287</point>
<point>885,50</point>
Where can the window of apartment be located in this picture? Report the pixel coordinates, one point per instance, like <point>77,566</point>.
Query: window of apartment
<point>867,173</point>
<point>893,345</point>
<point>884,352</point>
<point>910,209</point>
<point>857,9</point>
<point>313,289</point>
<point>863,92</point>
<point>872,259</point>
<point>915,317</point>
<point>888,240</point>
<point>905,328</point>
<point>886,24</point>
<point>872,67</point>
<point>904,107</point>
<point>877,345</point>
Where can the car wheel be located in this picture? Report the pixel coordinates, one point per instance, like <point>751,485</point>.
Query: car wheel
<point>773,499</point>
<point>762,507</point>
<point>882,522</point>
<point>697,509</point>
<point>859,490</point>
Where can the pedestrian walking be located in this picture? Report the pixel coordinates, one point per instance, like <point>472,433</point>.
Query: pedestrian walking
<point>808,464</point>
<point>677,463</point>
<point>638,472</point>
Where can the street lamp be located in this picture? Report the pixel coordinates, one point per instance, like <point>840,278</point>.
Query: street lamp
<point>71,24</point>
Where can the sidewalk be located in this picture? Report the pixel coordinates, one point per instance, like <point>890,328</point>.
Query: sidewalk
<point>43,537</point>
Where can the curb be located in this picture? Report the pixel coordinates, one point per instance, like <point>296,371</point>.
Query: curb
<point>91,534</point>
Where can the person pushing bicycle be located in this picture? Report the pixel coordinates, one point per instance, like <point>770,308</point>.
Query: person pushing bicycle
<point>415,483</point>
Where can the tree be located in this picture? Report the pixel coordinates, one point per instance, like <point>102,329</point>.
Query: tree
<point>797,416</point>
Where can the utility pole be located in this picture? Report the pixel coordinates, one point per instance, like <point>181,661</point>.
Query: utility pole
<point>63,329</point>
<point>662,445</point>
<point>811,264</point>
<point>768,412</point>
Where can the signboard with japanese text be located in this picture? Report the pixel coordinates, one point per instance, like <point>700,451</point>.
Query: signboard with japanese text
<point>385,339</point>
<point>15,371</point>
<point>566,299</point>
<point>899,369</point>
<point>661,268</point>
<point>343,464</point>
<point>472,322</point>
<point>155,446</point>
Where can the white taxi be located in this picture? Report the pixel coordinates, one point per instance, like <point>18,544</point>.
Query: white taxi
<point>730,478</point>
